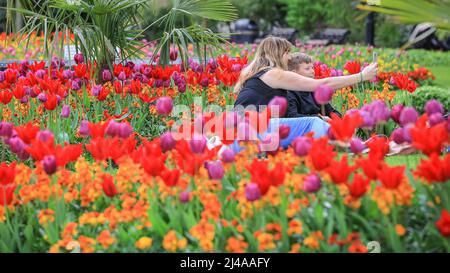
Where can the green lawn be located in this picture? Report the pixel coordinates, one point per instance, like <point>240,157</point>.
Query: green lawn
<point>411,161</point>
<point>442,74</point>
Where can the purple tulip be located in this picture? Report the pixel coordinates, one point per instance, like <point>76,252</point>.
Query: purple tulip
<point>122,76</point>
<point>408,115</point>
<point>379,111</point>
<point>396,111</point>
<point>215,169</point>
<point>113,128</point>
<point>280,104</point>
<point>236,68</point>
<point>78,58</point>
<point>433,106</point>
<point>164,106</point>
<point>252,192</point>
<point>49,163</point>
<point>95,90</point>
<point>204,82</point>
<point>167,142</point>
<point>284,131</point>
<point>435,118</point>
<point>301,145</point>
<point>75,85</point>
<point>44,135</point>
<point>227,156</point>
<point>2,76</point>
<point>368,121</point>
<point>312,183</point>
<point>407,134</point>
<point>106,75</point>
<point>197,144</point>
<point>125,130</point>
<point>356,145</point>
<point>184,197</point>
<point>182,87</point>
<point>42,97</point>
<point>84,128</point>
<point>16,144</point>
<point>323,94</point>
<point>24,100</point>
<point>6,129</point>
<point>67,74</point>
<point>398,135</point>
<point>65,111</point>
<point>40,73</point>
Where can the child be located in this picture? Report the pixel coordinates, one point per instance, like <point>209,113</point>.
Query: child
<point>302,104</point>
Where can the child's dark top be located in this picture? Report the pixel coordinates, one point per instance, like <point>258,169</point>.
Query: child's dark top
<point>302,104</point>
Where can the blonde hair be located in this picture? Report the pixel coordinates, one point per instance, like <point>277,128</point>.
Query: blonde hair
<point>269,54</point>
<point>298,58</point>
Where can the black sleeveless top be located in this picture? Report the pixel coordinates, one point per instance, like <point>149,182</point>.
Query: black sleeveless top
<point>256,93</point>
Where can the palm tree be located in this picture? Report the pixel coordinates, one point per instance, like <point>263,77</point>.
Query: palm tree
<point>436,12</point>
<point>106,29</point>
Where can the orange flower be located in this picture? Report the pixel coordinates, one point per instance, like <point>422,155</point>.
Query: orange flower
<point>105,239</point>
<point>144,243</point>
<point>46,216</point>
<point>236,245</point>
<point>400,230</point>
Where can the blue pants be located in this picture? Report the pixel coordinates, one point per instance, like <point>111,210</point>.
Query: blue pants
<point>299,127</point>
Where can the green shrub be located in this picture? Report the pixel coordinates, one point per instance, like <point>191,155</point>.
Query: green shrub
<point>426,93</point>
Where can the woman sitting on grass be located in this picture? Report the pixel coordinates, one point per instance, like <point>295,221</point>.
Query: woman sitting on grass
<point>267,76</point>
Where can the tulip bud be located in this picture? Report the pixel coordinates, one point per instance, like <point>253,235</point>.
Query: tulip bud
<point>252,192</point>
<point>433,106</point>
<point>408,115</point>
<point>301,145</point>
<point>49,163</point>
<point>65,111</point>
<point>6,129</point>
<point>44,135</point>
<point>167,142</point>
<point>164,106</point>
<point>284,131</point>
<point>125,130</point>
<point>435,118</point>
<point>184,197</point>
<point>398,136</point>
<point>280,103</point>
<point>215,169</point>
<point>106,75</point>
<point>78,58</point>
<point>84,128</point>
<point>396,111</point>
<point>122,76</point>
<point>356,145</point>
<point>312,183</point>
<point>197,144</point>
<point>227,156</point>
<point>323,94</point>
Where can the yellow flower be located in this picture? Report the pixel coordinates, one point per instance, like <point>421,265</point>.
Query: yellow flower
<point>144,243</point>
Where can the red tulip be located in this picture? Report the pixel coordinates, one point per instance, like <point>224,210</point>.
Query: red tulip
<point>321,153</point>
<point>5,96</point>
<point>27,132</point>
<point>443,224</point>
<point>391,177</point>
<point>7,194</point>
<point>344,128</point>
<point>434,169</point>
<point>108,186</point>
<point>429,140</point>
<point>352,67</point>
<point>7,173</point>
<point>359,186</point>
<point>265,178</point>
<point>170,177</point>
<point>51,102</point>
<point>340,170</point>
